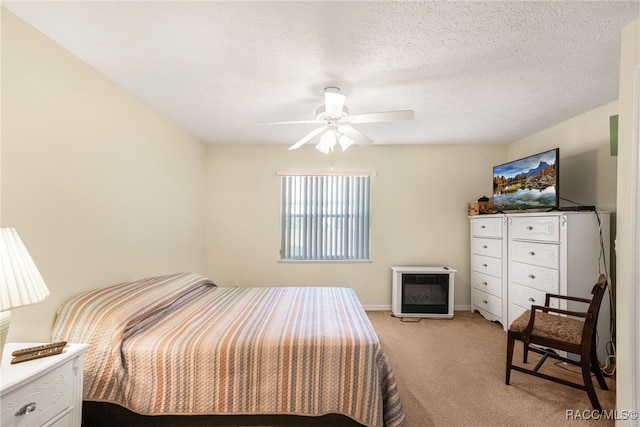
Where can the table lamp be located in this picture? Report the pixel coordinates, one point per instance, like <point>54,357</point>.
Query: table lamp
<point>20,281</point>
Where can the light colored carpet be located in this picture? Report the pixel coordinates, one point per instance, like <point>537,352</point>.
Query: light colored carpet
<point>451,373</point>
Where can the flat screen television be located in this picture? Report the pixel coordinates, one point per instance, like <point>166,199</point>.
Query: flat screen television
<point>527,183</point>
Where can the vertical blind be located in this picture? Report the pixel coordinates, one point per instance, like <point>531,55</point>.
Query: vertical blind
<point>325,217</point>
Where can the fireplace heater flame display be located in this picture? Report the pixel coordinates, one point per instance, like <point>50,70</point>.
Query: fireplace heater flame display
<point>425,293</point>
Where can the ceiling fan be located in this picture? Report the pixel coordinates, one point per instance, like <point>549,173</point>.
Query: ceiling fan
<point>336,123</point>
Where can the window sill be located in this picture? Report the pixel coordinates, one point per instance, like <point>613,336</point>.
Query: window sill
<point>325,261</point>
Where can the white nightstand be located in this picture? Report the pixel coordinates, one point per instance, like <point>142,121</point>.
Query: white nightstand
<point>42,392</point>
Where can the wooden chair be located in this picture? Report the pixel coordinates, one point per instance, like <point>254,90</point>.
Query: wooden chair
<point>575,334</point>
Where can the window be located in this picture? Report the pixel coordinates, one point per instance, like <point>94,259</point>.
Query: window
<point>325,217</point>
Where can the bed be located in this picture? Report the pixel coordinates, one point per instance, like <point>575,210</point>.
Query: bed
<point>180,345</point>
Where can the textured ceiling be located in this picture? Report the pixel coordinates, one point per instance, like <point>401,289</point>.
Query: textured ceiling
<point>473,72</point>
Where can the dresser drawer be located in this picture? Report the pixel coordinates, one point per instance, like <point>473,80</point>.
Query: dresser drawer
<point>486,227</point>
<point>487,302</point>
<point>64,420</point>
<point>525,296</point>
<point>541,278</point>
<point>487,265</point>
<point>546,229</point>
<point>38,400</point>
<point>541,254</point>
<point>486,283</point>
<point>487,247</point>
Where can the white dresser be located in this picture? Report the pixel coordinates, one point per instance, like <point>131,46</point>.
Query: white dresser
<point>489,266</point>
<point>42,392</point>
<point>547,252</point>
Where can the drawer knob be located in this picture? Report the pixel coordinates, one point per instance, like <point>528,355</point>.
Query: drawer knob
<point>26,409</point>
<point>485,301</point>
<point>531,276</point>
<point>482,226</point>
<point>529,228</point>
<point>484,246</point>
<point>485,265</point>
<point>532,253</point>
<point>532,300</point>
<point>485,283</point>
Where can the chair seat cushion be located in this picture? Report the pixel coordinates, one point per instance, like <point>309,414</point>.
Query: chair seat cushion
<point>551,326</point>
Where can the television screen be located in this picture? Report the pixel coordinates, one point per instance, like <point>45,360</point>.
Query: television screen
<point>528,183</point>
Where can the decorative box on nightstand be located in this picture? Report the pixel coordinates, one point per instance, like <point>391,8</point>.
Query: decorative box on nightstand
<point>42,392</point>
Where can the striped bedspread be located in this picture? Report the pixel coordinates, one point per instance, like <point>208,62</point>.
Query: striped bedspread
<point>179,344</point>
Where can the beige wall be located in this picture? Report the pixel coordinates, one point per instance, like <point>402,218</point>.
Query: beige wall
<point>630,59</point>
<point>587,168</point>
<point>100,187</point>
<point>418,213</point>
<point>1,20</point>
<point>419,201</point>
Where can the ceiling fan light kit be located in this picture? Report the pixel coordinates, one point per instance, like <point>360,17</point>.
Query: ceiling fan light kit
<point>327,141</point>
<point>335,120</point>
<point>332,137</point>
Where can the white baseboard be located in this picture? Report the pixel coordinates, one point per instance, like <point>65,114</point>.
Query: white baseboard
<point>388,307</point>
<point>377,307</point>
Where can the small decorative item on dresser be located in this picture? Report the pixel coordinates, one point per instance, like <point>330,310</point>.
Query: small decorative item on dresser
<point>37,352</point>
<point>481,207</point>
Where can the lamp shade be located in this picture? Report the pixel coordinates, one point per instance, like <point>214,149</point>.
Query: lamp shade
<point>20,281</point>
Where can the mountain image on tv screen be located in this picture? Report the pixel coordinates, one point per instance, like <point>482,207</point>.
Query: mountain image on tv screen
<point>527,183</point>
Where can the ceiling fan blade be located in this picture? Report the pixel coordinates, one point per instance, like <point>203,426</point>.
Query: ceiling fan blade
<point>308,138</point>
<point>357,136</point>
<point>387,116</point>
<point>292,122</point>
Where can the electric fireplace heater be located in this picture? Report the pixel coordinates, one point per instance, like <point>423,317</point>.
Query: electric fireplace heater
<point>422,292</point>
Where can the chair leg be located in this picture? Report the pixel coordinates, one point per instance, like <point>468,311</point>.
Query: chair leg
<point>595,368</point>
<point>540,362</point>
<point>510,344</point>
<point>525,352</point>
<point>586,377</point>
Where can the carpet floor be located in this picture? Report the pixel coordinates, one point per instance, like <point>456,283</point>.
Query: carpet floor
<point>452,373</point>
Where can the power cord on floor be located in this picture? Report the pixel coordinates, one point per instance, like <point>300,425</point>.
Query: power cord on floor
<point>563,365</point>
<point>609,367</point>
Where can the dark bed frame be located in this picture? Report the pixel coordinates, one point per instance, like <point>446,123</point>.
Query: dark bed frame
<point>102,414</point>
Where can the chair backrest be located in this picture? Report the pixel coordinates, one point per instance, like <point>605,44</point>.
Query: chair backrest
<point>594,307</point>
